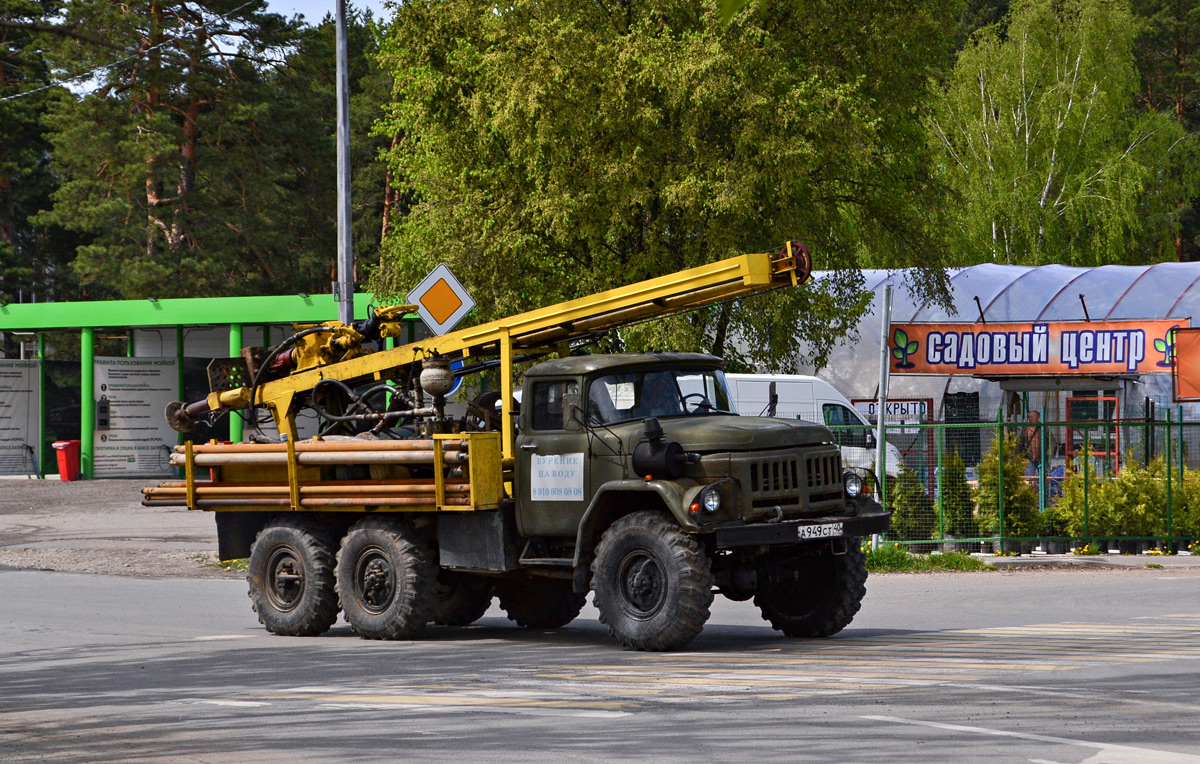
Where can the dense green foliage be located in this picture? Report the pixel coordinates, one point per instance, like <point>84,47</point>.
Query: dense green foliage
<point>913,517</point>
<point>34,262</point>
<point>546,150</point>
<point>1046,148</point>
<point>201,162</point>
<point>1020,502</point>
<point>558,148</point>
<point>893,558</point>
<point>1133,503</point>
<point>957,506</point>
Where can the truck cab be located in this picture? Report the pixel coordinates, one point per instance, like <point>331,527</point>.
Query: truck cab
<point>649,446</point>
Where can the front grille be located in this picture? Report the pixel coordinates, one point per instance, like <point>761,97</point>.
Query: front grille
<point>774,476</point>
<point>799,481</point>
<point>823,471</point>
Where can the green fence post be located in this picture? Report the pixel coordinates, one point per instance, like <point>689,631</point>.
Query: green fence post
<point>41,450</point>
<point>1182,458</point>
<point>179,362</point>
<point>1043,463</point>
<point>1169,497</point>
<point>1087,446</point>
<point>939,435</point>
<point>1000,476</point>
<point>235,350</point>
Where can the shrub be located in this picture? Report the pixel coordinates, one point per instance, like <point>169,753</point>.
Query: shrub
<point>912,512</point>
<point>1021,516</point>
<point>1134,503</point>
<point>957,507</point>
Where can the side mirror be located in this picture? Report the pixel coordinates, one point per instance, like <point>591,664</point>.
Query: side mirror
<point>572,412</point>
<point>871,442</point>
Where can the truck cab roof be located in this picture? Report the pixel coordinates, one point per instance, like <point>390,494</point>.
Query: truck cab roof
<point>589,364</point>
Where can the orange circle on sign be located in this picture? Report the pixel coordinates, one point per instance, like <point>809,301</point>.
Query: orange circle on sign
<point>441,301</point>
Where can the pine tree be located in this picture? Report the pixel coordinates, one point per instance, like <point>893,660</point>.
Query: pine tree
<point>913,517</point>
<point>957,507</point>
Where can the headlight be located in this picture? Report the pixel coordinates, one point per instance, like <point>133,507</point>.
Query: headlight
<point>710,499</point>
<point>853,484</point>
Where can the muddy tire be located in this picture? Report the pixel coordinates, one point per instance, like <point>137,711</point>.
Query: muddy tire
<point>536,602</point>
<point>653,582</point>
<point>461,599</point>
<point>290,572</point>
<point>386,578</point>
<point>812,595</point>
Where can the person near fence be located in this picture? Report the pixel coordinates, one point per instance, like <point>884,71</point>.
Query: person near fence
<point>1031,443</point>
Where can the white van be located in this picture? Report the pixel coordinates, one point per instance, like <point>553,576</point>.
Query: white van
<point>814,400</point>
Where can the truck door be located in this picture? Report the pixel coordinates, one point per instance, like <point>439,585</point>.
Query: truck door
<point>552,469</point>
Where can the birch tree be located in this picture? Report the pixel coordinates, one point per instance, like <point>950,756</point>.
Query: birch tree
<point>1042,141</point>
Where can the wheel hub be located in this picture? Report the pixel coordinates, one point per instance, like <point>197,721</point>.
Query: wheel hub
<point>643,585</point>
<point>286,579</point>
<point>375,580</point>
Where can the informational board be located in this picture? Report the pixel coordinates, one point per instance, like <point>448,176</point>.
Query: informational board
<point>1186,374</point>
<point>134,392</point>
<point>556,477</point>
<point>1053,348</point>
<point>897,411</point>
<point>20,430</point>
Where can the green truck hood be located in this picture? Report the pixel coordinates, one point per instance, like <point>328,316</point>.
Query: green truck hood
<point>711,433</point>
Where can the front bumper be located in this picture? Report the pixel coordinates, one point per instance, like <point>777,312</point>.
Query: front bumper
<point>789,532</point>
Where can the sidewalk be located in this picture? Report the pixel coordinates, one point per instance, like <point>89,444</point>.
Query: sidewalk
<point>1093,561</point>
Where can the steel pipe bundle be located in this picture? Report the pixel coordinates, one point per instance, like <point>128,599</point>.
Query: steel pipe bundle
<point>314,458</point>
<point>306,446</point>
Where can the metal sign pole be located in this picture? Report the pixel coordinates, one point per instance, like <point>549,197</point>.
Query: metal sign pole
<point>343,288</point>
<point>884,367</point>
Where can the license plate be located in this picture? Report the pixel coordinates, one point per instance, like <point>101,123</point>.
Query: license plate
<point>822,531</point>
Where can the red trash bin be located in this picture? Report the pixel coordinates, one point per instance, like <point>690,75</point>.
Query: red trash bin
<point>68,459</point>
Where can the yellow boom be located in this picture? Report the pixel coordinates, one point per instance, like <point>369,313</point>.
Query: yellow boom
<point>548,327</point>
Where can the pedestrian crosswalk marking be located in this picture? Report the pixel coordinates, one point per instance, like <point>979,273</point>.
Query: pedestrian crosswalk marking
<point>785,671</point>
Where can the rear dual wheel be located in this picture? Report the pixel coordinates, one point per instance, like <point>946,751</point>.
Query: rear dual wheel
<point>461,598</point>
<point>539,602</point>
<point>386,578</point>
<point>291,579</point>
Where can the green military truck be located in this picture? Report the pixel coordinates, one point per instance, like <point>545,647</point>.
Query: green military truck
<point>628,475</point>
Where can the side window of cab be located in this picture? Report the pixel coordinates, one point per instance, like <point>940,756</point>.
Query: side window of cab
<point>548,407</point>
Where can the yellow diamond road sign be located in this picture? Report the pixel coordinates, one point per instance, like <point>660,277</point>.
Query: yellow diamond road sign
<point>441,301</point>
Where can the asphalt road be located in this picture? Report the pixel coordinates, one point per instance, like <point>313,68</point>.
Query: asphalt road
<point>1059,666</point>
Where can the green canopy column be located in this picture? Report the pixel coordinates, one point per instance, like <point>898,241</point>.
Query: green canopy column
<point>87,411</point>
<point>41,454</point>
<point>235,350</point>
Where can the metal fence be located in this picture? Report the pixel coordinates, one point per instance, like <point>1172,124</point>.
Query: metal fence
<point>1093,486</point>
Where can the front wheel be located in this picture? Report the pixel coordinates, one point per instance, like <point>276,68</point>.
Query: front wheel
<point>812,595</point>
<point>386,578</point>
<point>290,573</point>
<point>653,582</point>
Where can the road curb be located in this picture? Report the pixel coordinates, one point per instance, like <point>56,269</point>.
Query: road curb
<point>1092,561</point>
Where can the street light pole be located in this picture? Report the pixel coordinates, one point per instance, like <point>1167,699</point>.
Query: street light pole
<point>343,288</point>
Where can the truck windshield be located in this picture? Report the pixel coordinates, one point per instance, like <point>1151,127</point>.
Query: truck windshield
<point>673,392</point>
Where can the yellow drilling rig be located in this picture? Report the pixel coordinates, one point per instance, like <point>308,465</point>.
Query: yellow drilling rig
<point>629,475</point>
